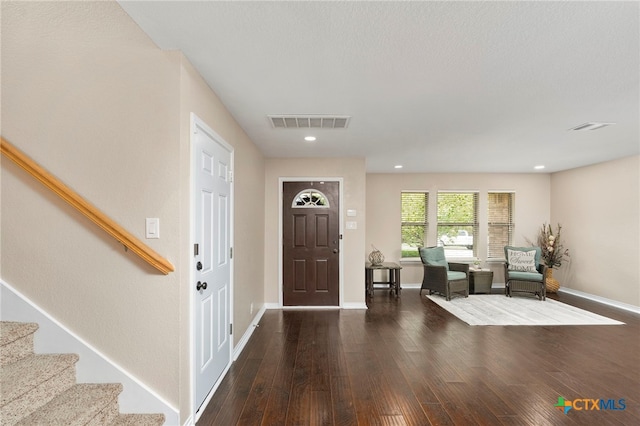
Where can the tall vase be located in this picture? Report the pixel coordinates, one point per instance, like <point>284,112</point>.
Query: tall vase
<point>552,284</point>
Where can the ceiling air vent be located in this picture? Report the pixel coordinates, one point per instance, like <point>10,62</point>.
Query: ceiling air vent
<point>309,121</point>
<point>593,125</point>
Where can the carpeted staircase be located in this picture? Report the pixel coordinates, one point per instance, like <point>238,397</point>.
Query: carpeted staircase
<point>41,389</point>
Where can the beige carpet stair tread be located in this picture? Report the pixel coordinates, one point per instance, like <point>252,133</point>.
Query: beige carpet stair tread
<point>82,404</point>
<point>12,331</point>
<point>139,420</point>
<point>16,341</point>
<point>21,376</point>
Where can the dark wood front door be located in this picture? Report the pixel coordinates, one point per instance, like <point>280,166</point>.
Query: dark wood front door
<point>311,234</point>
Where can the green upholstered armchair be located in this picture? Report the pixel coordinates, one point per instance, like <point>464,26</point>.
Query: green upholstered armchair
<point>524,272</point>
<point>441,276</point>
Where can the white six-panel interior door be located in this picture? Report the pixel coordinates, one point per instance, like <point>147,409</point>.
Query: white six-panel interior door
<point>211,283</point>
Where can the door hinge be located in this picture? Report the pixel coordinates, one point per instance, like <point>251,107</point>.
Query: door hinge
<point>230,175</point>
<point>196,249</point>
<point>230,252</point>
<point>230,328</point>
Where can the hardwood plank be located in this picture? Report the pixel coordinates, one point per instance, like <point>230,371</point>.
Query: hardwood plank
<point>255,406</point>
<point>360,365</point>
<point>320,379</point>
<point>235,400</point>
<point>342,399</point>
<point>278,403</point>
<point>484,382</point>
<point>437,415</point>
<point>393,421</point>
<point>452,402</point>
<point>474,406</point>
<point>320,408</point>
<point>406,399</point>
<point>299,408</point>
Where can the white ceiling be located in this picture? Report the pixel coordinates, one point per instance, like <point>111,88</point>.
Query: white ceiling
<point>434,86</point>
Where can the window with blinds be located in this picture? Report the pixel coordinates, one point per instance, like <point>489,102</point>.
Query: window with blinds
<point>415,225</point>
<point>458,223</point>
<point>500,223</point>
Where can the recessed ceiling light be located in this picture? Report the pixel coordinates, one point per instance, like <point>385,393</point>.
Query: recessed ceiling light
<point>592,125</point>
<point>310,138</point>
<point>540,167</point>
<point>397,166</point>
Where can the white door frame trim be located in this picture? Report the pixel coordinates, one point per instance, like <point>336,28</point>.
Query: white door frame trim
<point>195,124</point>
<point>281,181</point>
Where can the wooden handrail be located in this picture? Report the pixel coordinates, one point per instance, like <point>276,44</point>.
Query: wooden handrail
<point>86,208</point>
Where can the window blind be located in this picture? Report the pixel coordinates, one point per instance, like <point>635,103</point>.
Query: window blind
<point>500,223</point>
<point>458,222</point>
<point>415,225</point>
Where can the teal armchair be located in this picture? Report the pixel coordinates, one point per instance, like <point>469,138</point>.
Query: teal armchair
<point>528,276</point>
<point>441,276</point>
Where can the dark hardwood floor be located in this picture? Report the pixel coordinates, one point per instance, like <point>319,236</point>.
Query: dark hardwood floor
<point>407,361</point>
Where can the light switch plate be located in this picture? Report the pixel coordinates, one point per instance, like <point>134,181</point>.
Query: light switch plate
<point>352,213</point>
<point>352,225</point>
<point>153,227</point>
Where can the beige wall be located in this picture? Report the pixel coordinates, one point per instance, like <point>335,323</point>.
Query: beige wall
<point>598,207</point>
<point>384,209</point>
<point>91,98</point>
<point>86,94</point>
<point>352,171</point>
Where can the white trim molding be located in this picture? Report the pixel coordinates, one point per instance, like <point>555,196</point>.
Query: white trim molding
<point>354,306</point>
<point>345,306</point>
<point>600,299</point>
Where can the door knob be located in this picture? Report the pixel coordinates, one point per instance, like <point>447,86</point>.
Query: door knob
<point>201,286</point>
<point>335,250</point>
<point>199,266</point>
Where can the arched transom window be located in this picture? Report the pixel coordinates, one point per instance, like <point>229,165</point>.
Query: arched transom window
<point>310,198</point>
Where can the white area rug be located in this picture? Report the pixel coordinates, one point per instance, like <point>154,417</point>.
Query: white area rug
<point>495,309</point>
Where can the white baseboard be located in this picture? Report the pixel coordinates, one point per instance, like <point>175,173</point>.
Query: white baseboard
<point>600,299</point>
<point>354,306</point>
<point>237,350</point>
<point>272,306</point>
<point>93,366</point>
<point>311,308</point>
<point>411,285</point>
